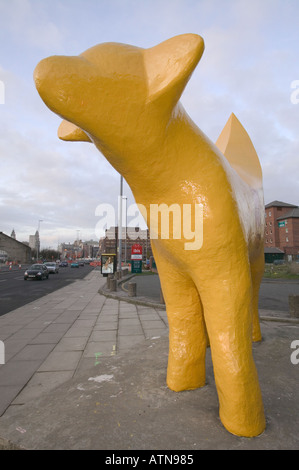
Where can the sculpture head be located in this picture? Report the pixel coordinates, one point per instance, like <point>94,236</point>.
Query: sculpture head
<point>111,91</point>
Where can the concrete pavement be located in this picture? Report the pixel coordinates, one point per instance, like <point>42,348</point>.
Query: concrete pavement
<point>49,340</point>
<point>85,371</point>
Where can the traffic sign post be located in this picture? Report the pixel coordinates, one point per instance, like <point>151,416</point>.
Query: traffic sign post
<point>136,258</point>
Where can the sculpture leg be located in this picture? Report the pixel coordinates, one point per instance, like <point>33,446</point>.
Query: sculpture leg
<point>187,331</point>
<point>257,272</point>
<point>228,316</point>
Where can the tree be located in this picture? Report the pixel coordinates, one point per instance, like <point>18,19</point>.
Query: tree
<point>49,254</point>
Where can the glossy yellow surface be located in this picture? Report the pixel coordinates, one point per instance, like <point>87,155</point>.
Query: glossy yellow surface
<point>125,100</point>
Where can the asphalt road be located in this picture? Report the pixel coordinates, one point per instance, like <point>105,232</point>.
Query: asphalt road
<point>274,294</point>
<point>15,292</point>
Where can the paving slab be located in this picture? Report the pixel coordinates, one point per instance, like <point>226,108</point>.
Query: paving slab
<point>97,349</point>
<point>71,344</point>
<point>61,360</point>
<point>41,383</point>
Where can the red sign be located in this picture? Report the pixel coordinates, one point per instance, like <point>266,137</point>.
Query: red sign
<point>136,249</point>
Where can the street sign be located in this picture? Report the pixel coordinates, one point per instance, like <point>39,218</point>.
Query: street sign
<point>282,224</point>
<point>136,266</point>
<point>136,258</point>
<point>136,249</point>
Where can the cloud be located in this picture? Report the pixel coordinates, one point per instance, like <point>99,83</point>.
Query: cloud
<point>248,66</point>
<point>27,22</point>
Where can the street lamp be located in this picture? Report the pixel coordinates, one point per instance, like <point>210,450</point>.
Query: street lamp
<point>125,198</point>
<point>120,223</point>
<point>37,250</point>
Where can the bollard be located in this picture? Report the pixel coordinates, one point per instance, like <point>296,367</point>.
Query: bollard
<point>113,285</point>
<point>294,305</point>
<point>132,288</point>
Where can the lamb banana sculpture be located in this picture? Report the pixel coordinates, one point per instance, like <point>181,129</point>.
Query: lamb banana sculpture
<point>125,100</point>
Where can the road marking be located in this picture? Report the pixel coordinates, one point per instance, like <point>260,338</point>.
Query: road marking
<point>3,280</point>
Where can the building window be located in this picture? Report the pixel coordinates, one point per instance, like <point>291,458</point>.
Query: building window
<point>270,240</point>
<point>287,239</point>
<point>270,223</point>
<point>269,213</point>
<point>287,230</point>
<point>270,232</point>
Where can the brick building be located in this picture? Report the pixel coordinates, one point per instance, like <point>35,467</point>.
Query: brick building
<point>109,244</point>
<point>282,227</point>
<point>79,249</point>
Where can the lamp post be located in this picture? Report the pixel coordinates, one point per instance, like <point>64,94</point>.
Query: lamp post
<point>37,250</point>
<point>120,223</point>
<point>125,198</point>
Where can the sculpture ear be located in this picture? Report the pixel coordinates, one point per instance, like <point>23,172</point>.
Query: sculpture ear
<point>69,132</point>
<point>170,64</point>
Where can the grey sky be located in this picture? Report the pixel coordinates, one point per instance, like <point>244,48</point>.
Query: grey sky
<point>249,64</point>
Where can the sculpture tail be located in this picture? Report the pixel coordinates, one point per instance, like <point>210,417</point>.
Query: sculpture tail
<point>236,146</point>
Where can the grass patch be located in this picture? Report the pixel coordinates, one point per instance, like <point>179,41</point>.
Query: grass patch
<point>146,273</point>
<point>282,271</point>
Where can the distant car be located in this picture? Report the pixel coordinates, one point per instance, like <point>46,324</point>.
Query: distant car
<point>81,263</point>
<point>52,267</point>
<point>63,264</point>
<point>36,271</point>
<point>75,264</point>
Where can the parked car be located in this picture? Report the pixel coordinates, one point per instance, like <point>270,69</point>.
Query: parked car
<point>63,264</point>
<point>52,267</point>
<point>75,264</point>
<point>81,263</point>
<point>36,271</point>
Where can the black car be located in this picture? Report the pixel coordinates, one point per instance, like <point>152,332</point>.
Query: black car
<point>37,271</point>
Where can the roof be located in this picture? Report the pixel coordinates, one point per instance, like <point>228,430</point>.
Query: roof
<point>294,213</point>
<point>279,204</point>
<point>13,239</point>
<point>270,249</point>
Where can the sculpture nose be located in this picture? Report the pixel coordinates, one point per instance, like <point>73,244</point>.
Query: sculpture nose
<point>41,71</point>
<point>51,77</point>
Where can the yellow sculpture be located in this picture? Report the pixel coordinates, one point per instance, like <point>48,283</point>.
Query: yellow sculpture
<point>125,100</point>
